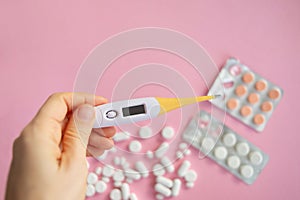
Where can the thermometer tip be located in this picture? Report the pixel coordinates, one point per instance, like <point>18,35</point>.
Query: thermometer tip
<point>217,96</point>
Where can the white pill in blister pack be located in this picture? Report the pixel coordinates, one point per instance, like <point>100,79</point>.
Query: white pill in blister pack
<point>135,146</point>
<point>167,132</point>
<point>230,150</point>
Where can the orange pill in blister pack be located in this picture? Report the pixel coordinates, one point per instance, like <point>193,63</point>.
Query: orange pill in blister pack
<point>258,119</point>
<point>260,85</point>
<point>240,90</point>
<point>248,77</point>
<point>253,98</point>
<point>246,111</point>
<point>232,104</point>
<point>274,93</point>
<point>266,106</point>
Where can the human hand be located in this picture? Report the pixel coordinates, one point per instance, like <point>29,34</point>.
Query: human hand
<point>49,157</point>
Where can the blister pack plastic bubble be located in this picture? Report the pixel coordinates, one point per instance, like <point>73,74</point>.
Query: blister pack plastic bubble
<point>249,97</point>
<point>228,149</point>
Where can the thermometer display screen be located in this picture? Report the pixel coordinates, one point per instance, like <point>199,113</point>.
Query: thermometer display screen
<point>133,110</point>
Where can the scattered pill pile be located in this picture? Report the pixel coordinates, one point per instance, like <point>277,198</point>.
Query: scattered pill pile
<point>249,97</point>
<point>123,173</point>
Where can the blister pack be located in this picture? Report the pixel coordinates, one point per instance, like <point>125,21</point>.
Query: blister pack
<point>249,97</point>
<point>225,147</point>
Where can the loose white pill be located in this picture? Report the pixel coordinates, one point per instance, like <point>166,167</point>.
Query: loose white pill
<point>108,170</point>
<point>167,132</point>
<point>190,184</point>
<point>162,190</point>
<point>122,160</point>
<point>191,176</point>
<point>159,197</point>
<point>115,194</point>
<point>98,170</point>
<point>140,166</point>
<point>145,132</point>
<point>233,162</point>
<point>164,181</point>
<point>105,179</point>
<point>121,136</point>
<point>117,160</point>
<point>129,180</point>
<point>149,154</point>
<point>135,146</point>
<point>133,196</point>
<point>247,171</point>
<point>90,190</point>
<point>229,139</point>
<point>166,162</point>
<point>256,158</point>
<point>242,148</point>
<point>132,174</point>
<point>183,146</point>
<point>183,168</point>
<point>118,176</point>
<point>220,152</point>
<point>117,184</point>
<point>125,191</point>
<point>207,144</point>
<point>161,150</point>
<point>92,178</point>
<point>158,170</point>
<point>176,187</point>
<point>101,186</point>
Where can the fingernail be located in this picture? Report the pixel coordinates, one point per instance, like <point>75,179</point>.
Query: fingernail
<point>86,113</point>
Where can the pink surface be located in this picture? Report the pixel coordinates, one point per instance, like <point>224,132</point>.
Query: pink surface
<point>42,45</point>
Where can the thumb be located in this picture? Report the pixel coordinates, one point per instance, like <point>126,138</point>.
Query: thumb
<point>77,132</point>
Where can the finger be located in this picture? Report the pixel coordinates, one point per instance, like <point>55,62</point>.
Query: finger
<point>100,142</point>
<point>95,152</point>
<point>77,132</point>
<point>106,132</point>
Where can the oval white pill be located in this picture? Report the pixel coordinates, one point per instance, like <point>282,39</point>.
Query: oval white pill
<point>164,181</point>
<point>140,166</point>
<point>242,148</point>
<point>108,170</point>
<point>121,136</point>
<point>145,132</point>
<point>233,162</point>
<point>133,196</point>
<point>149,154</point>
<point>132,174</point>
<point>166,162</point>
<point>256,158</point>
<point>159,197</point>
<point>229,139</point>
<point>90,190</point>
<point>191,176</point>
<point>220,152</point>
<point>207,144</point>
<point>176,187</point>
<point>247,171</point>
<point>158,170</point>
<point>92,178</point>
<point>125,191</point>
<point>183,168</point>
<point>100,186</point>
<point>161,150</point>
<point>115,194</point>
<point>135,146</point>
<point>162,190</point>
<point>183,146</point>
<point>167,132</point>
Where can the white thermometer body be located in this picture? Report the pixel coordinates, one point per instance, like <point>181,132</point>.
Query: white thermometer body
<point>127,111</point>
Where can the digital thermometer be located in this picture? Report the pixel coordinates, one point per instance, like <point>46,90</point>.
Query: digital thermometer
<point>134,110</point>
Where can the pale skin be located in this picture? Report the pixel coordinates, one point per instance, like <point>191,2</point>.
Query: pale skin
<point>49,156</point>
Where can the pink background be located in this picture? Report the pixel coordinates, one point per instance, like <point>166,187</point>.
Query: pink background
<point>42,45</point>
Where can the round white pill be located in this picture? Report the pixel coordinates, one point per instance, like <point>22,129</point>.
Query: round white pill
<point>207,144</point>
<point>100,186</point>
<point>149,154</point>
<point>135,146</point>
<point>117,160</point>
<point>115,194</point>
<point>220,152</point>
<point>183,146</point>
<point>145,132</point>
<point>191,176</point>
<point>233,162</point>
<point>159,197</point>
<point>133,196</point>
<point>90,190</point>
<point>167,132</point>
<point>256,158</point>
<point>98,170</point>
<point>119,176</point>
<point>242,148</point>
<point>229,139</point>
<point>158,170</point>
<point>108,171</point>
<point>190,184</point>
<point>92,178</point>
<point>247,171</point>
